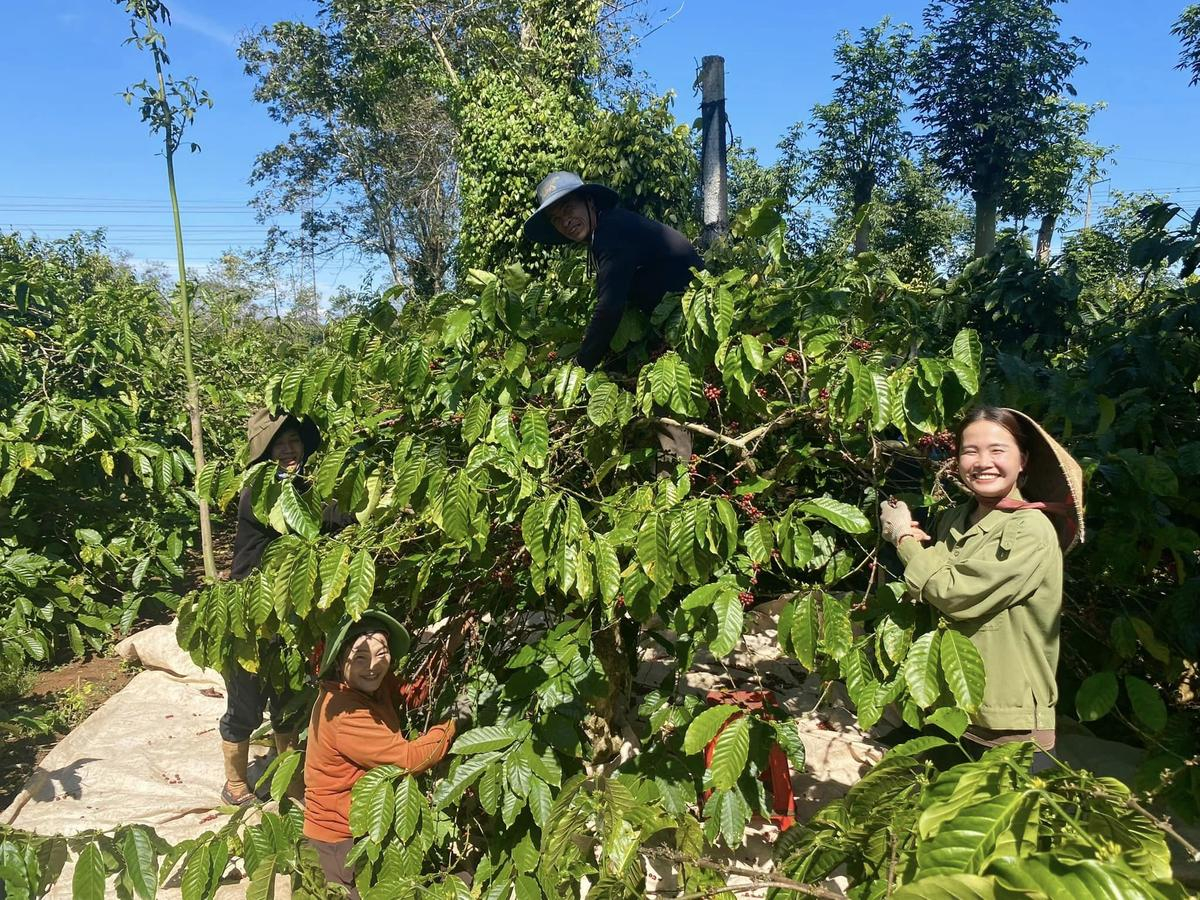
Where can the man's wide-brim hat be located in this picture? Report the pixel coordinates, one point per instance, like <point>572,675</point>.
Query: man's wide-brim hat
<point>263,427</point>
<point>371,621</point>
<point>1053,476</point>
<point>555,187</point>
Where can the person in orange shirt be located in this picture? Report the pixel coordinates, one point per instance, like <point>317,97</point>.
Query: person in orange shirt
<point>355,726</point>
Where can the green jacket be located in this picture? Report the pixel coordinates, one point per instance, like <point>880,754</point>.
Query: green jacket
<point>999,582</point>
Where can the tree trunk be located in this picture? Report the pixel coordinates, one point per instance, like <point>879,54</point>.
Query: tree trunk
<point>1045,235</point>
<point>864,187</point>
<point>610,720</point>
<point>985,222</point>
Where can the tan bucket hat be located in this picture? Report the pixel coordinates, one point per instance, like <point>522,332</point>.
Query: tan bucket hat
<point>1053,478</point>
<point>262,428</point>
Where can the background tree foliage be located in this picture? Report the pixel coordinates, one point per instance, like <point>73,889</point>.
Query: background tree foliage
<point>96,480</point>
<point>985,71</point>
<point>862,137</point>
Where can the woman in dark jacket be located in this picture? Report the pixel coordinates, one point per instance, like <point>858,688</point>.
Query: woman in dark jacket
<point>288,442</point>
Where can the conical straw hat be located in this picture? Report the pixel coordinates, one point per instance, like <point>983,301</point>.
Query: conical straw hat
<point>1053,476</point>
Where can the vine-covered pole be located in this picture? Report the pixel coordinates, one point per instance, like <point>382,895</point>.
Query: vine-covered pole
<point>713,162</point>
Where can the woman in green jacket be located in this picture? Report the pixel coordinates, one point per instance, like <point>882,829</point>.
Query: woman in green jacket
<point>993,567</point>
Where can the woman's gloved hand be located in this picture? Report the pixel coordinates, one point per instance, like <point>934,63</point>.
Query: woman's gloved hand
<point>895,520</point>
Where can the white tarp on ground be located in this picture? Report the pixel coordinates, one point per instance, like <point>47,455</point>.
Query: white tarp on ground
<point>150,755</point>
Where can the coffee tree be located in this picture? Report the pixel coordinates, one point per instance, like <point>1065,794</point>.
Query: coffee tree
<point>499,485</point>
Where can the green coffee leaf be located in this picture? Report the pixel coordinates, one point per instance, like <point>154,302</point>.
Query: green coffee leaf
<point>88,882</point>
<point>805,631</point>
<point>730,615</point>
<point>842,515</point>
<point>475,419</point>
<point>360,584</point>
<point>838,634</point>
<point>608,568</point>
<point>285,771</point>
<point>705,727</point>
<point>409,804</point>
<point>1096,696</point>
<point>535,437</point>
<point>602,405</point>
<point>141,862</point>
<point>760,541</point>
<point>485,738</point>
<point>950,719</point>
<point>921,669</point>
<point>1147,703</point>
<point>948,887</point>
<point>296,513</point>
<point>963,667</point>
<point>730,754</point>
<point>1003,824</point>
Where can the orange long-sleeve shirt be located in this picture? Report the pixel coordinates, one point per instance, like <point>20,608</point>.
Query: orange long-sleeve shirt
<point>349,734</point>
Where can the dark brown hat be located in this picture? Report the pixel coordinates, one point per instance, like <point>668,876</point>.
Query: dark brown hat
<point>263,427</point>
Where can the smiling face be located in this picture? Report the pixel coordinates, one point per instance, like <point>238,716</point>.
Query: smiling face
<point>365,661</point>
<point>989,460</point>
<point>572,217</point>
<point>287,449</point>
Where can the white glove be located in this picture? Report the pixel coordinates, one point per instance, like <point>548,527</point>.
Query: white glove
<point>895,520</point>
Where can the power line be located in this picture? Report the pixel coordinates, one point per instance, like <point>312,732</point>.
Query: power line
<point>150,201</point>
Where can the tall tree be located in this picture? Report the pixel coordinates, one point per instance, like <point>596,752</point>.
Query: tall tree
<point>1187,29</point>
<point>1054,182</point>
<point>983,75</point>
<point>368,164</point>
<point>862,138</point>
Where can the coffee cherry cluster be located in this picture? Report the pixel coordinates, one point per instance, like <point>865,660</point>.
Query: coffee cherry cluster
<point>746,598</point>
<point>456,418</point>
<point>792,358</point>
<point>712,392</point>
<point>761,391</point>
<point>552,356</point>
<point>746,503</point>
<point>861,345</point>
<point>823,393</point>
<point>943,441</point>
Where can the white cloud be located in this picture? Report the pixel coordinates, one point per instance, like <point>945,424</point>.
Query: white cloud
<point>203,26</point>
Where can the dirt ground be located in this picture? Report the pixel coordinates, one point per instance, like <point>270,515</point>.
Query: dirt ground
<point>65,696</point>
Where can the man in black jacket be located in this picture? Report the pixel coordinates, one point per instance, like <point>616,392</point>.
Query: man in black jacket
<point>637,260</point>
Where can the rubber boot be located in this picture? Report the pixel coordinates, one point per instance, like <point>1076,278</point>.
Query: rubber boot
<point>237,757</point>
<point>285,741</point>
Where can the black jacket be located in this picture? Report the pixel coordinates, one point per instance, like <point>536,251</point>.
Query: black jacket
<point>638,261</point>
<point>252,536</point>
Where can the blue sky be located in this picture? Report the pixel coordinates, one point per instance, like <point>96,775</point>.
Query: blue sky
<point>75,155</point>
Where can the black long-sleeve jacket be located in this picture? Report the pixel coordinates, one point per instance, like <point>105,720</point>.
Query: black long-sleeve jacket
<point>638,261</point>
<point>252,536</point>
